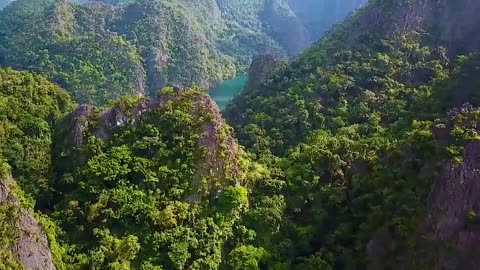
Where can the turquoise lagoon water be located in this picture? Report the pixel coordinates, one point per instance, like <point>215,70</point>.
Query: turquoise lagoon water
<point>227,90</point>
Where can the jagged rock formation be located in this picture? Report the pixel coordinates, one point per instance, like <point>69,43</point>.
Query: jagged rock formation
<point>110,180</point>
<point>453,209</point>
<point>30,246</point>
<point>262,66</point>
<point>158,155</point>
<point>450,234</point>
<point>215,136</point>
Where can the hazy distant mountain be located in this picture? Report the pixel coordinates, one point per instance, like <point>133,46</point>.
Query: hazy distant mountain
<point>318,15</point>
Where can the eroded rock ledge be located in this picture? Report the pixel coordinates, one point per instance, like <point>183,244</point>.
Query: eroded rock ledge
<point>31,248</point>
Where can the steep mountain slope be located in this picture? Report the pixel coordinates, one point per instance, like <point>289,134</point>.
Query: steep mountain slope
<point>72,48</point>
<point>150,184</point>
<point>143,184</point>
<point>361,153</point>
<point>353,128</point>
<point>157,43</point>
<point>29,107</point>
<point>24,243</point>
<point>333,72</point>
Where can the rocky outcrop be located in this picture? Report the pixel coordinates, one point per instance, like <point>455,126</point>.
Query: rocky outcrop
<point>31,247</point>
<point>79,122</point>
<point>455,203</point>
<point>262,66</point>
<point>222,148</point>
<point>459,25</point>
<point>155,62</point>
<point>450,234</point>
<point>215,136</point>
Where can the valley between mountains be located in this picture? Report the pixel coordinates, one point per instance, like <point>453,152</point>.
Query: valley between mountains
<point>349,138</point>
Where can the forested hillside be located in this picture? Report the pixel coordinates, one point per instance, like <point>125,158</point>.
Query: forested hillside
<point>101,50</point>
<point>364,127</point>
<point>142,184</point>
<point>361,152</point>
<point>151,183</point>
<point>30,107</point>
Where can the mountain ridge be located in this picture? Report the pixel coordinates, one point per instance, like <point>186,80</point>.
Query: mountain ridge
<point>181,48</point>
<point>353,124</point>
<point>359,153</point>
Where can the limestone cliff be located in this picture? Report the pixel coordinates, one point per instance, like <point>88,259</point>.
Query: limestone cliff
<point>450,231</point>
<point>448,237</point>
<point>262,66</point>
<point>23,239</point>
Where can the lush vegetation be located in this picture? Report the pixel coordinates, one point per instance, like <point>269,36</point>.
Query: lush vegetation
<point>152,194</point>
<point>47,38</point>
<point>29,107</point>
<point>336,156</point>
<point>157,184</point>
<point>352,128</point>
<point>100,52</point>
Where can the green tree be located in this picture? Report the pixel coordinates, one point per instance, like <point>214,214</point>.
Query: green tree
<point>245,258</point>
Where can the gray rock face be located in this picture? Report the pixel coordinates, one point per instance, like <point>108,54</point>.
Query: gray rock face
<point>79,122</point>
<point>451,230</point>
<point>460,23</point>
<point>448,237</point>
<point>32,246</point>
<point>453,207</point>
<point>455,196</point>
<point>262,66</point>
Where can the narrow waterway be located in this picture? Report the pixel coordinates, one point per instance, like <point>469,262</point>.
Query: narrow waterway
<point>227,90</point>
